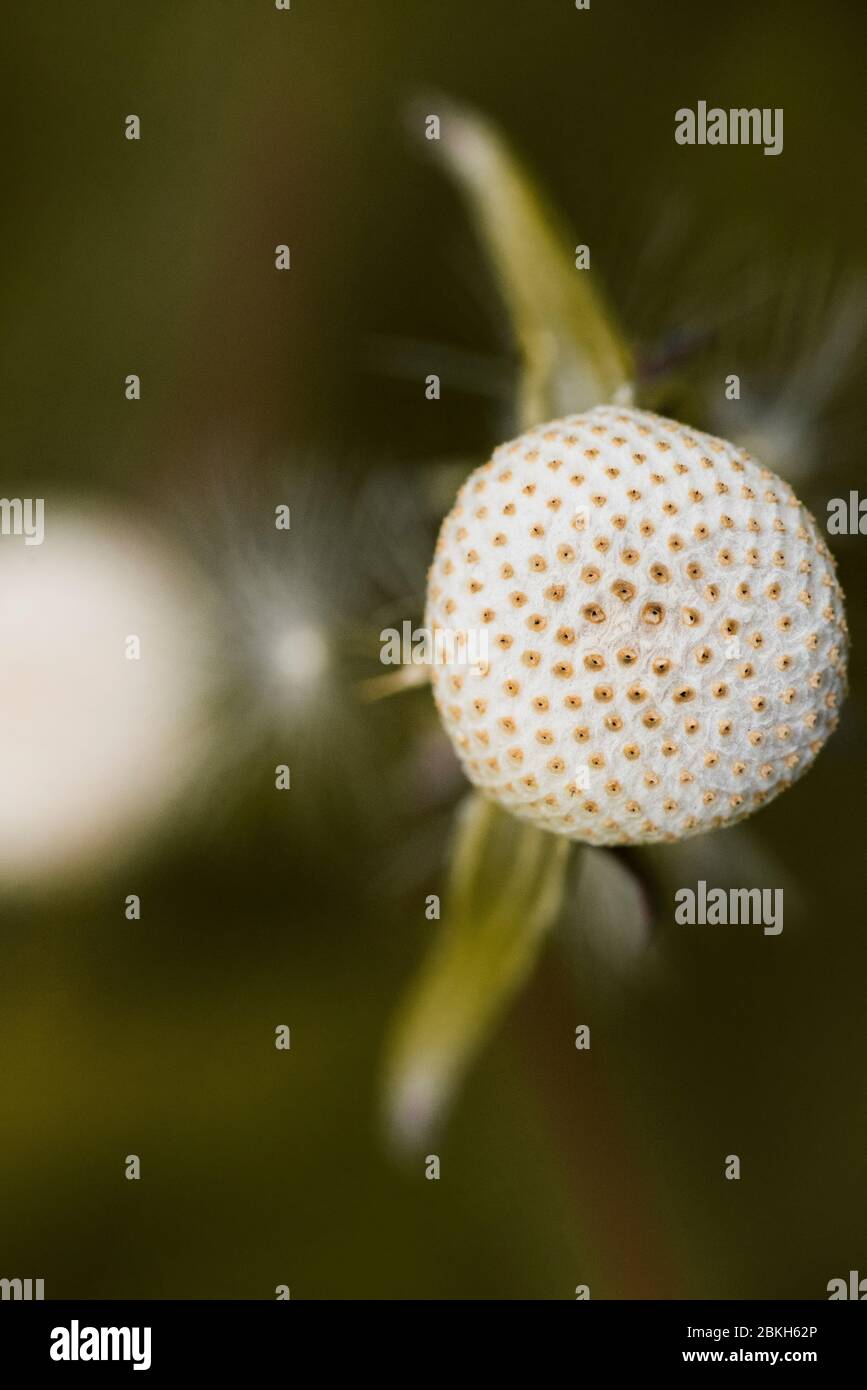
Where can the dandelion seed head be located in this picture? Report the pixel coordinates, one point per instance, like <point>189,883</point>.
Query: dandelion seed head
<point>666,636</point>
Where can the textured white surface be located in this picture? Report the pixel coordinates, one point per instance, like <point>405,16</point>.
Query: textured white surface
<point>666,638</point>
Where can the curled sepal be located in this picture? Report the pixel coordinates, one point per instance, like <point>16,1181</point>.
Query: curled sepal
<point>505,886</point>
<point>573,354</point>
<point>607,920</point>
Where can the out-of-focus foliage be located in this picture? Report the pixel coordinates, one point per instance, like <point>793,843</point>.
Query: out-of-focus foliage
<point>572,355</point>
<point>505,888</point>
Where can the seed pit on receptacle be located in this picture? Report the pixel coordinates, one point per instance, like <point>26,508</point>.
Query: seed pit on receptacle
<point>622,589</point>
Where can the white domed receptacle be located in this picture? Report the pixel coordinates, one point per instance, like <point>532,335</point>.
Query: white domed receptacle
<point>665,635</point>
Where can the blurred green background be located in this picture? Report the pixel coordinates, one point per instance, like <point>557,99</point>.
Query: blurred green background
<point>261,1167</point>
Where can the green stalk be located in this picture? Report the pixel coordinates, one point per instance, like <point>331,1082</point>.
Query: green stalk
<point>574,357</point>
<point>505,888</point>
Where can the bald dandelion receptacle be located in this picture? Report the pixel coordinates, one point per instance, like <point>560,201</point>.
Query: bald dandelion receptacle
<point>664,616</point>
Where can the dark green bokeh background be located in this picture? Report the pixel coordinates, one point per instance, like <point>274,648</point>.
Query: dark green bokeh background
<point>261,1168</point>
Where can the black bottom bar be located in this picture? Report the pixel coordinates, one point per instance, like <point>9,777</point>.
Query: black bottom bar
<point>167,1338</point>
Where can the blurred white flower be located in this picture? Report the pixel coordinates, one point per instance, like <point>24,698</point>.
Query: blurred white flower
<point>800,353</point>
<point>93,745</point>
<point>285,551</point>
<point>300,657</point>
